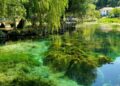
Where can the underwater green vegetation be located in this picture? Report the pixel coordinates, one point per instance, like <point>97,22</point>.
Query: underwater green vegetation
<point>78,54</point>
<point>21,64</point>
<point>18,62</point>
<point>61,60</point>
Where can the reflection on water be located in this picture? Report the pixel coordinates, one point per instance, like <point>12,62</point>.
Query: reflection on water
<point>105,39</point>
<point>98,40</point>
<point>109,74</point>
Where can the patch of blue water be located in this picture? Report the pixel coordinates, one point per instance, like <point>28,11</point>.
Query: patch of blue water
<point>109,74</point>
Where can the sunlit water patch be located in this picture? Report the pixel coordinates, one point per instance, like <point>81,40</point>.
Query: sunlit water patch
<point>109,74</point>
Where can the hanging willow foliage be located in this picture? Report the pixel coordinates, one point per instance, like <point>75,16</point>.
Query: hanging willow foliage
<point>11,9</point>
<point>47,12</point>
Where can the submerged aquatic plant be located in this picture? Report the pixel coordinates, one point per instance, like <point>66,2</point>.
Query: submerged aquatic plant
<point>78,58</point>
<point>18,62</point>
<point>21,65</point>
<point>75,62</point>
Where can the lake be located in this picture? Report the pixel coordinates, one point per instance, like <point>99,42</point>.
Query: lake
<point>23,61</point>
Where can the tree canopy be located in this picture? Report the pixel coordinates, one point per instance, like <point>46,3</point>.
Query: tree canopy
<point>43,13</point>
<point>47,11</point>
<point>11,8</point>
<point>106,3</point>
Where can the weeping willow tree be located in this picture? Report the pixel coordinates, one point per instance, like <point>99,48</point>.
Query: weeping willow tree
<point>3,7</point>
<point>46,12</point>
<point>79,8</point>
<point>12,10</point>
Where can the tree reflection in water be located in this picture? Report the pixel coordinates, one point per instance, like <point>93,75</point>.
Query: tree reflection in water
<point>81,52</point>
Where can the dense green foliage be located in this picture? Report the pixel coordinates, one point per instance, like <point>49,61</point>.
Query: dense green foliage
<point>11,9</point>
<point>80,7</point>
<point>46,14</point>
<point>107,3</point>
<point>92,14</point>
<point>115,13</point>
<point>39,12</point>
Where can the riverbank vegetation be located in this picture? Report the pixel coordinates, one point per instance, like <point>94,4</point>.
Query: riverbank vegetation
<point>109,20</point>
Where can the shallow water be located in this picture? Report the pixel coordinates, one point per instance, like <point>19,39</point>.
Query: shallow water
<point>107,75</point>
<point>37,50</point>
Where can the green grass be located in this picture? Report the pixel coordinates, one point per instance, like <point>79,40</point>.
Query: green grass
<point>109,20</point>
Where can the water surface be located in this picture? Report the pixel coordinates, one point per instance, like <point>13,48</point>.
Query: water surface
<point>108,74</point>
<point>106,41</point>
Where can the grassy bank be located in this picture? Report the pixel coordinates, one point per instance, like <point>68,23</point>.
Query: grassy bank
<point>109,20</point>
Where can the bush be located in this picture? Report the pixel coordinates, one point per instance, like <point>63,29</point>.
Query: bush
<point>115,13</point>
